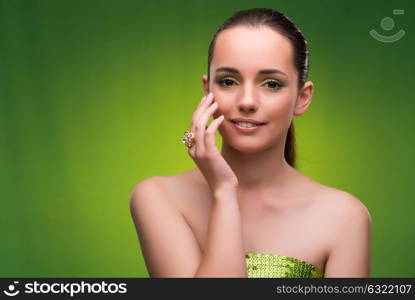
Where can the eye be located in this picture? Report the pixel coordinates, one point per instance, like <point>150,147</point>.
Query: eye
<point>226,82</point>
<point>273,84</point>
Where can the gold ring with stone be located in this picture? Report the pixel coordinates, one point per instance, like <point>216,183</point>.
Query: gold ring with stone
<point>188,139</point>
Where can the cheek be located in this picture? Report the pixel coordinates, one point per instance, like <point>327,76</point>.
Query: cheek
<point>223,108</point>
<point>279,109</point>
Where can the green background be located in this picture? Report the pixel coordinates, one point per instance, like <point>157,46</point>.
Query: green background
<point>95,96</point>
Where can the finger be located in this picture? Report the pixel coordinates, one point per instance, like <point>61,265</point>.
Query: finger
<point>213,127</point>
<point>204,99</point>
<point>200,127</point>
<point>210,132</point>
<point>194,114</point>
<point>201,107</point>
<point>191,151</point>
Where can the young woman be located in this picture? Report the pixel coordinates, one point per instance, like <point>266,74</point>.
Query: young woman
<point>246,211</point>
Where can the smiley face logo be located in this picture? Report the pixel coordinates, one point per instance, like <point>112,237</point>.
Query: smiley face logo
<point>11,290</point>
<point>388,24</point>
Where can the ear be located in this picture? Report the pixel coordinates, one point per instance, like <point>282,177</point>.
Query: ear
<point>303,98</point>
<point>205,84</point>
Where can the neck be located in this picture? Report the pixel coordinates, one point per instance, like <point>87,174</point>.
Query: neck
<point>260,170</point>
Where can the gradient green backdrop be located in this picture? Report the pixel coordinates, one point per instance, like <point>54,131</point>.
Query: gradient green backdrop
<point>95,96</point>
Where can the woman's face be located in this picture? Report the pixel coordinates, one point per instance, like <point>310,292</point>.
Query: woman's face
<point>252,76</point>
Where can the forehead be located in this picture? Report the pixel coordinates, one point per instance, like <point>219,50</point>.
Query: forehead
<point>251,49</point>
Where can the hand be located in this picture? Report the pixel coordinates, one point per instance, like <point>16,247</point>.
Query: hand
<point>204,152</point>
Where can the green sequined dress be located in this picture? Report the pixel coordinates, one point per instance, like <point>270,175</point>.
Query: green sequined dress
<point>278,266</point>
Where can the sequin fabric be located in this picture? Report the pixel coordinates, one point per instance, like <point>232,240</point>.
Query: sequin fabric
<point>279,266</point>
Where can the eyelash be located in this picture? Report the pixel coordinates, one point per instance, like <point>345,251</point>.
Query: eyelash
<point>221,81</point>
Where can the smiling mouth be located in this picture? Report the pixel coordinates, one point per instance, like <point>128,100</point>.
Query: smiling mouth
<point>247,124</point>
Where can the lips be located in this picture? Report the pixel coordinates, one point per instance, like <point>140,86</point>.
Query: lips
<point>252,121</point>
<point>246,126</point>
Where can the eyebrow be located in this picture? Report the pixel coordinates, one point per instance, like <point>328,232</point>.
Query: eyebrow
<point>265,71</point>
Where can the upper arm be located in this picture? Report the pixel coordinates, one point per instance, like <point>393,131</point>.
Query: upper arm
<point>167,242</point>
<point>350,252</point>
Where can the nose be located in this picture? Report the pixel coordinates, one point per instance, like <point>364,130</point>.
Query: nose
<point>247,102</point>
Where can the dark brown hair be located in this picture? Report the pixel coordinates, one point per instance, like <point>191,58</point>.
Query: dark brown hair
<point>257,17</point>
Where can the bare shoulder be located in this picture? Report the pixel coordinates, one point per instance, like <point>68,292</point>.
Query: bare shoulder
<point>348,223</point>
<point>164,189</point>
<point>343,207</point>
<point>152,187</point>
<point>331,201</point>
<point>148,185</point>
<point>156,217</point>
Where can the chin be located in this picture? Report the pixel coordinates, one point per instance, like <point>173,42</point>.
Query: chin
<point>248,145</point>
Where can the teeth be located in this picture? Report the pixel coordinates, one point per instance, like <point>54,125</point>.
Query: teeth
<point>246,124</point>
